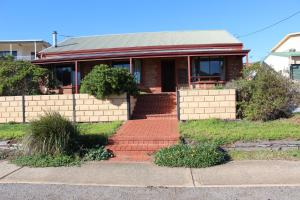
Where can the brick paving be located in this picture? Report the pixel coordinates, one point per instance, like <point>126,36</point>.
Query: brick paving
<point>136,140</point>
<point>155,126</point>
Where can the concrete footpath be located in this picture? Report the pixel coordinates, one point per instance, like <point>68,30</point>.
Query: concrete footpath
<point>243,177</point>
<point>147,174</point>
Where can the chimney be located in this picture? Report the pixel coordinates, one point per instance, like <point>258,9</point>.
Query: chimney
<point>54,39</point>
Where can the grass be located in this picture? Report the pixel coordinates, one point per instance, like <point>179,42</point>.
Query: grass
<point>106,129</point>
<point>95,134</point>
<point>46,160</point>
<point>12,131</point>
<point>265,155</point>
<point>17,131</point>
<point>227,132</point>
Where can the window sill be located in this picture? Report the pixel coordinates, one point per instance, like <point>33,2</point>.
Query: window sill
<point>209,82</point>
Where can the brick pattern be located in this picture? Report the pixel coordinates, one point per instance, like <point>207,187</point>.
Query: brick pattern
<point>87,107</point>
<point>11,109</point>
<point>158,105</point>
<point>137,140</point>
<point>205,104</point>
<point>132,104</point>
<point>234,65</point>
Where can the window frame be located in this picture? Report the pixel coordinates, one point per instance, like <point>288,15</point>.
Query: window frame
<point>121,64</point>
<point>198,76</point>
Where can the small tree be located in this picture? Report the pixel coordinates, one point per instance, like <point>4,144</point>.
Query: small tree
<point>264,94</point>
<point>20,77</point>
<point>103,81</point>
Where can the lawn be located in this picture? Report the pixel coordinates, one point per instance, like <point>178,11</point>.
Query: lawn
<point>265,155</point>
<point>227,132</point>
<point>17,131</point>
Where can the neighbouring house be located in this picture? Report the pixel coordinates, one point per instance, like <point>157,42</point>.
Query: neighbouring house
<point>22,49</point>
<point>285,56</point>
<point>160,61</point>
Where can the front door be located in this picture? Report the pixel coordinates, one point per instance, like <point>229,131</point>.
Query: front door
<point>168,76</point>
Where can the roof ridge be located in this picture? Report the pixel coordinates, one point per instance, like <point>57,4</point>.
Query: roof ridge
<point>111,34</point>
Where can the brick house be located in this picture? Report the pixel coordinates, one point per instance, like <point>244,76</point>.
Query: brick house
<point>160,61</point>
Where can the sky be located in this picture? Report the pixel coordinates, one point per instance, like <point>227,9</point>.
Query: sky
<point>33,19</point>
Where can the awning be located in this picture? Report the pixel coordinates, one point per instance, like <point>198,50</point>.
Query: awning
<point>286,54</point>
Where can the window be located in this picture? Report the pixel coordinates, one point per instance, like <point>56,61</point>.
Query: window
<point>121,64</point>
<point>137,70</point>
<point>295,72</point>
<point>208,67</point>
<point>6,53</point>
<point>32,55</point>
<point>66,75</point>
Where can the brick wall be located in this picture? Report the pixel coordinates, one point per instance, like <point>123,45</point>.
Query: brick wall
<point>151,75</point>
<point>205,104</point>
<point>133,101</point>
<point>84,107</point>
<point>234,65</point>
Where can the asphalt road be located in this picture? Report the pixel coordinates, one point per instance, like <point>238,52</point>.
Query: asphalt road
<point>9,191</point>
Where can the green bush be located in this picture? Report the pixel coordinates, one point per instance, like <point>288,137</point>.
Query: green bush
<point>52,134</point>
<point>198,156</point>
<point>98,153</point>
<point>20,77</point>
<point>264,94</point>
<point>104,81</point>
<point>46,160</point>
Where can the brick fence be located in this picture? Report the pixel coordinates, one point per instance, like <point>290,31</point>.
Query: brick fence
<point>76,107</point>
<point>205,104</point>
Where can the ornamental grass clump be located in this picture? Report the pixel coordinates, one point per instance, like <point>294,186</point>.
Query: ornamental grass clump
<point>198,156</point>
<point>52,134</point>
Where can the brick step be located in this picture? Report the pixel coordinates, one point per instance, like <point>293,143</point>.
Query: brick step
<point>155,105</point>
<point>149,99</point>
<point>136,140</point>
<point>160,113</point>
<point>136,147</point>
<point>154,116</point>
<point>156,100</point>
<point>137,137</point>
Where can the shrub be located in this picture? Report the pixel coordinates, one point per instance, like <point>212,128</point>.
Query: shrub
<point>52,134</point>
<point>46,160</point>
<point>103,81</point>
<point>98,153</point>
<point>20,77</point>
<point>198,156</point>
<point>264,94</point>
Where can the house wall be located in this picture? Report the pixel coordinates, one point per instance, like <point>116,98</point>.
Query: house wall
<point>151,75</point>
<point>282,64</point>
<point>133,101</point>
<point>151,72</point>
<point>84,107</point>
<point>279,64</point>
<point>234,66</point>
<point>292,43</point>
<point>204,104</point>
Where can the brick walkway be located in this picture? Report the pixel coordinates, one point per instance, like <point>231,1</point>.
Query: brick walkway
<point>136,140</point>
<point>155,126</point>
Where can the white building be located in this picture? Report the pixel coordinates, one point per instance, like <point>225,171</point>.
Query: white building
<point>285,56</point>
<point>22,49</point>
